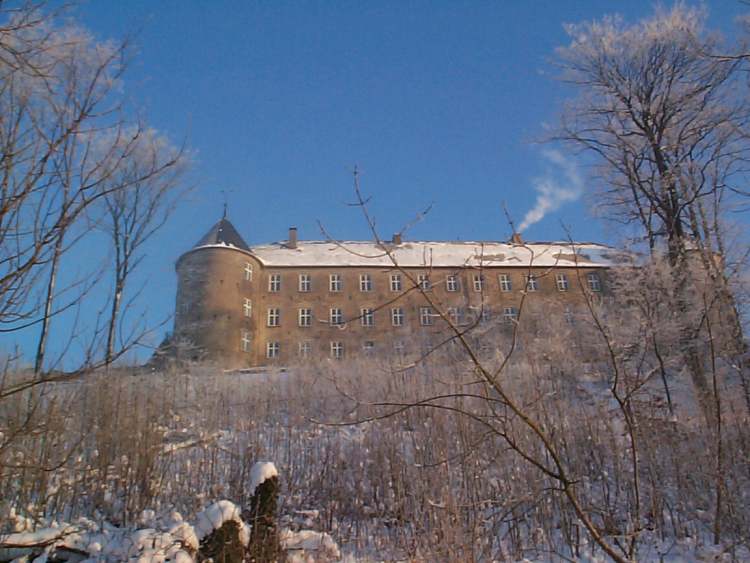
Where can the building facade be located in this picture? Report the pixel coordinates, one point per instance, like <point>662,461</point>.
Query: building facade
<point>298,301</point>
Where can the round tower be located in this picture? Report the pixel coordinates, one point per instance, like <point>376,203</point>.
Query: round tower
<point>215,295</point>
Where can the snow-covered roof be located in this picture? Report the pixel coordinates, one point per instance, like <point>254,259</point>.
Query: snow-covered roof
<point>435,254</point>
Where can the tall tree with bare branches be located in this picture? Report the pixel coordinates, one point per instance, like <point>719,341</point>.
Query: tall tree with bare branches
<point>138,199</point>
<point>666,115</point>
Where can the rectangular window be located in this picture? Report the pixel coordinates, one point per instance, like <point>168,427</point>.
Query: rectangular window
<point>397,316</point>
<point>245,340</point>
<point>247,307</point>
<point>337,350</point>
<point>532,283</point>
<point>595,283</point>
<point>365,282</point>
<point>395,282</point>
<point>368,347</point>
<point>304,283</point>
<point>334,283</point>
<point>424,282</point>
<point>478,280</point>
<point>304,349</point>
<point>367,317</point>
<point>505,283</point>
<point>562,282</point>
<point>274,316</point>
<point>486,314</point>
<point>272,349</point>
<point>453,315</point>
<point>248,271</point>
<point>568,316</point>
<point>451,283</point>
<point>336,317</point>
<point>425,316</point>
<point>305,317</point>
<point>274,283</point>
<point>510,314</point>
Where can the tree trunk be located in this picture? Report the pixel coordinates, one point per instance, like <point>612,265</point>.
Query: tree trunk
<point>42,345</point>
<point>111,330</point>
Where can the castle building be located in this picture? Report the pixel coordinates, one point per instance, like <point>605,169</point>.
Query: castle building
<point>298,301</point>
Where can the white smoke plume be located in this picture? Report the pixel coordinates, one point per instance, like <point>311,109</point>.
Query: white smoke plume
<point>553,190</point>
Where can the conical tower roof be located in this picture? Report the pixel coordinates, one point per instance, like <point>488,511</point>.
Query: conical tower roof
<point>223,232</point>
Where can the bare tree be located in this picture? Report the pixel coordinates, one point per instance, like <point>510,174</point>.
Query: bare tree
<point>139,196</point>
<point>55,84</point>
<point>666,116</point>
<point>66,143</point>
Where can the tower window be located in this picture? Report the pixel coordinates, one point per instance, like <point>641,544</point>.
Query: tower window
<point>365,282</point>
<point>248,271</point>
<point>304,283</point>
<point>334,283</point>
<point>305,317</point>
<point>274,316</point>
<point>274,283</point>
<point>245,340</point>
<point>505,283</point>
<point>247,307</point>
<point>397,316</point>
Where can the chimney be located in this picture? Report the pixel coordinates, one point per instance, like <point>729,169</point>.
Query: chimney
<point>292,242</point>
<point>396,238</point>
<point>516,238</point>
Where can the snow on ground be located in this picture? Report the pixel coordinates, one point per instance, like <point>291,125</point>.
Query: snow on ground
<point>171,539</point>
<point>308,546</point>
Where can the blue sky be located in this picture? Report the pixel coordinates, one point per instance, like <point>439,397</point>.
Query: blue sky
<point>437,102</point>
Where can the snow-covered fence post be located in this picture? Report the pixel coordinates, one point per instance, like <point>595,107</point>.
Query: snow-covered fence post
<point>264,537</point>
